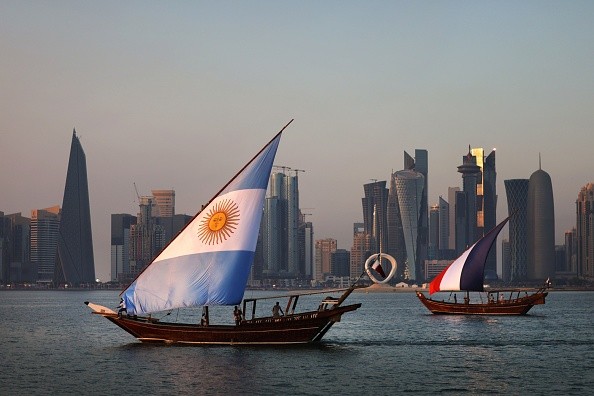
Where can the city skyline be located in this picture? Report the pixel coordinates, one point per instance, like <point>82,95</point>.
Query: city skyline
<point>178,96</point>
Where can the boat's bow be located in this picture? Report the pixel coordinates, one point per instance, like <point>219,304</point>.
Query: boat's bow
<point>100,309</point>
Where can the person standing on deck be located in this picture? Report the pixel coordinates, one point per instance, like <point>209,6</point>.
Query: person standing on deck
<point>277,311</point>
<point>122,308</point>
<point>237,315</point>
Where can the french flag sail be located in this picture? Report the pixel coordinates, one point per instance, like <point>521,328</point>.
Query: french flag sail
<point>466,273</point>
<point>209,261</point>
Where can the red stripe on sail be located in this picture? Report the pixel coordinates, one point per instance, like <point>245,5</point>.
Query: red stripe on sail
<point>435,284</point>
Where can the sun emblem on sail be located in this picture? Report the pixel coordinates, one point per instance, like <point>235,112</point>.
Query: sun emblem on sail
<point>219,223</point>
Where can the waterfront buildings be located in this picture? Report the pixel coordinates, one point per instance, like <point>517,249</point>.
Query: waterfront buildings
<point>541,227</point>
<point>121,225</point>
<point>75,263</point>
<point>360,250</point>
<point>475,206</point>
<point>324,250</point>
<point>136,240</point>
<point>15,248</point>
<point>164,203</point>
<point>421,165</point>
<point>517,205</point>
<point>306,238</point>
<point>439,230</point>
<point>147,237</point>
<point>282,225</point>
<point>571,252</point>
<point>584,234</point>
<point>396,219</point>
<point>340,262</point>
<point>409,187</point>
<point>395,239</point>
<point>375,205</point>
<point>466,204</point>
<point>486,201</point>
<point>45,224</point>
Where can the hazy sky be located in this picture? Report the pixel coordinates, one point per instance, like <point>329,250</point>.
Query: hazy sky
<point>180,94</point>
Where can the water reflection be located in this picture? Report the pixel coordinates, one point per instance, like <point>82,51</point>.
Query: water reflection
<point>51,344</point>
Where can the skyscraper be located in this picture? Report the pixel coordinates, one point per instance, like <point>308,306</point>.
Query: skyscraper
<point>340,262</point>
<point>461,222</point>
<point>281,227</point>
<point>541,226</point>
<point>147,237</point>
<point>75,263</point>
<point>481,200</point>
<point>324,248</point>
<point>360,250</point>
<point>293,221</point>
<point>421,165</point>
<point>471,175</point>
<point>5,237</point>
<point>433,247</point>
<point>44,240</point>
<point>121,224</point>
<point>571,251</point>
<point>584,235</point>
<point>307,248</point>
<point>16,248</point>
<point>452,210</point>
<point>409,186</point>
<point>375,205</point>
<point>395,241</point>
<point>517,206</point>
<point>444,226</point>
<point>164,203</point>
<point>273,239</point>
<point>486,201</point>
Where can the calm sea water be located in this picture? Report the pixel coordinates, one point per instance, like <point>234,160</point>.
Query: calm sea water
<point>51,344</point>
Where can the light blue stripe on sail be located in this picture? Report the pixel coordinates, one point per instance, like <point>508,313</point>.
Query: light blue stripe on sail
<point>256,174</point>
<point>216,278</point>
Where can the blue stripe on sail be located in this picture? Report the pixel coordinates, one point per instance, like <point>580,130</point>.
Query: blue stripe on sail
<point>256,174</point>
<point>471,278</point>
<point>215,278</point>
<point>473,273</point>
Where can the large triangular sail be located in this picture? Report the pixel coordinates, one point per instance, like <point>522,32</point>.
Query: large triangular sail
<point>209,261</point>
<point>466,273</point>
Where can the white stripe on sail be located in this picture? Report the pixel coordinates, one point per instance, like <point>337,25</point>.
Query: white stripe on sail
<point>243,236</point>
<point>451,279</point>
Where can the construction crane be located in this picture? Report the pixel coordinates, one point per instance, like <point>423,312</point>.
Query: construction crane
<point>284,168</point>
<point>297,171</point>
<point>136,189</point>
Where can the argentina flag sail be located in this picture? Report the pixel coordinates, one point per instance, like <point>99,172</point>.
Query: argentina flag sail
<point>209,261</point>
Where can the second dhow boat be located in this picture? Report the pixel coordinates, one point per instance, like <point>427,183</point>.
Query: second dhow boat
<point>466,274</point>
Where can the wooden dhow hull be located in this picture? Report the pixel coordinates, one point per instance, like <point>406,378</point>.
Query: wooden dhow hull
<point>517,306</point>
<point>302,328</point>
